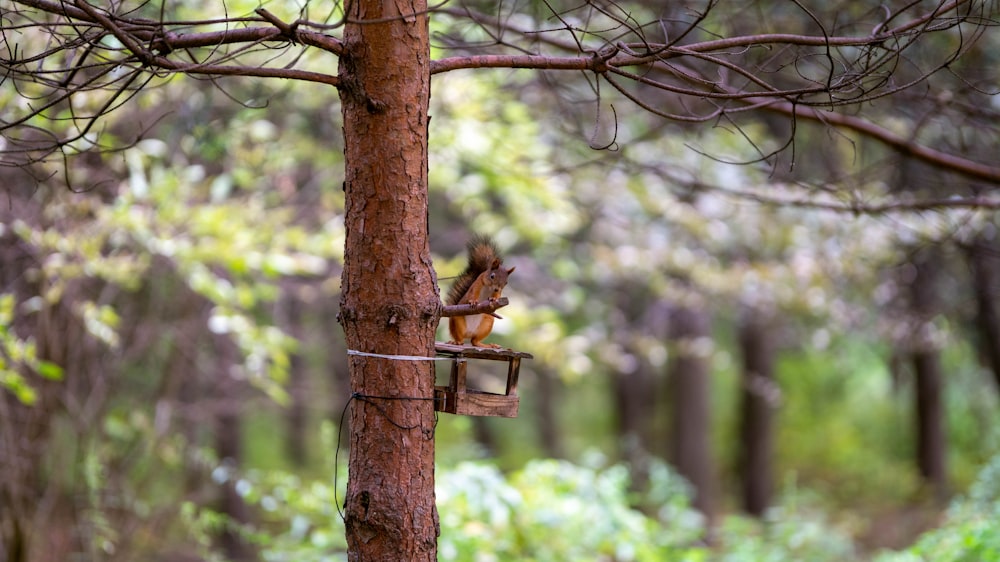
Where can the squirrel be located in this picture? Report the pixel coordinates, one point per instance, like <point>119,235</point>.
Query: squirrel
<point>483,279</point>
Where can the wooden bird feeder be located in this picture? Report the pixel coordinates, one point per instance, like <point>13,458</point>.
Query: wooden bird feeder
<point>457,398</point>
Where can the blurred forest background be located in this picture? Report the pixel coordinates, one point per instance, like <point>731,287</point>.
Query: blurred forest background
<point>793,358</point>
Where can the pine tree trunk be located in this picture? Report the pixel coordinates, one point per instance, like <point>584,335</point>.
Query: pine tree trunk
<point>930,421</point>
<point>691,450</point>
<point>550,439</point>
<point>982,257</point>
<point>633,412</point>
<point>931,440</point>
<point>296,416</point>
<point>390,304</point>
<point>757,416</point>
<point>229,446</point>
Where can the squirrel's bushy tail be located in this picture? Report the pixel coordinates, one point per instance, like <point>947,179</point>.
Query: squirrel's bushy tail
<point>482,252</point>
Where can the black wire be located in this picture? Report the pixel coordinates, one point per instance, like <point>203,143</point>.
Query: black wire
<point>368,398</point>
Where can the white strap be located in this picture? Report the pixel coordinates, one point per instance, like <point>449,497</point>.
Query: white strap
<point>398,357</point>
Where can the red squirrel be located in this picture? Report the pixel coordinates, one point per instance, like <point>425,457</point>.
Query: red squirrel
<point>483,279</point>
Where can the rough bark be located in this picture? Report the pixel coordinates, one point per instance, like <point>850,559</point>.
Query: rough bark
<point>390,303</point>
<point>757,413</point>
<point>688,374</point>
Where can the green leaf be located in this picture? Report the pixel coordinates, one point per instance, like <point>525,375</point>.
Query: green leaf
<point>16,385</point>
<point>49,370</point>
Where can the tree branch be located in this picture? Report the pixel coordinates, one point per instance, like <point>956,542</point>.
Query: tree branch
<point>724,79</point>
<point>150,41</point>
<point>898,142</point>
<point>485,307</point>
<point>539,62</point>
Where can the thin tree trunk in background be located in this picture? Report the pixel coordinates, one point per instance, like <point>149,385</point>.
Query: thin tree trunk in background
<point>690,385</point>
<point>185,380</point>
<point>390,304</point>
<point>296,415</point>
<point>757,413</point>
<point>229,447</point>
<point>931,442</point>
<point>23,428</point>
<point>549,437</point>
<point>983,261</point>
<point>930,420</point>
<point>36,521</point>
<point>484,436</point>
<point>183,388</point>
<point>633,383</point>
<point>633,412</point>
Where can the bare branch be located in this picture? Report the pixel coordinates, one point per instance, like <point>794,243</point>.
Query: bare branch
<point>675,67</point>
<point>904,145</point>
<point>694,79</point>
<point>485,307</point>
<point>80,47</point>
<point>150,41</point>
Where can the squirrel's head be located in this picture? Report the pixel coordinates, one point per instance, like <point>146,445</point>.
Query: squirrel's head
<point>496,277</point>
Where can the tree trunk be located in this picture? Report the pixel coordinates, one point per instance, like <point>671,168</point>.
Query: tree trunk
<point>633,414</point>
<point>757,419</point>
<point>924,304</point>
<point>484,436</point>
<point>691,450</point>
<point>548,423</point>
<point>25,429</point>
<point>983,263</point>
<point>390,304</point>
<point>296,416</point>
<point>229,447</point>
<point>930,421</point>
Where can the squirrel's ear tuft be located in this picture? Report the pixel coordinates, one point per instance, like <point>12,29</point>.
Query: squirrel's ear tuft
<point>511,270</point>
<point>495,264</point>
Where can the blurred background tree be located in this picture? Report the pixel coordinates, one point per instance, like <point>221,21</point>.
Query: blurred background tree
<point>807,337</point>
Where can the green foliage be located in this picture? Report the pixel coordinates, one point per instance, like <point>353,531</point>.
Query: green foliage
<point>232,250</point>
<point>19,355</point>
<point>971,531</point>
<point>547,511</point>
<point>555,510</point>
<point>839,407</point>
<point>798,528</point>
<point>550,511</point>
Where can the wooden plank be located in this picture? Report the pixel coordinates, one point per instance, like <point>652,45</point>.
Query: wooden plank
<point>475,403</point>
<point>444,400</point>
<point>456,398</point>
<point>451,350</point>
<point>513,372</point>
<point>487,404</point>
<point>458,375</point>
